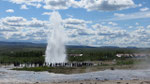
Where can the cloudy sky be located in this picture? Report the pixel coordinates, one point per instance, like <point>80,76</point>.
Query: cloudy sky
<point>86,22</point>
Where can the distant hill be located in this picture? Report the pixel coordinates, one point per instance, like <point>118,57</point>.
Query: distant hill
<point>132,47</point>
<point>21,44</point>
<point>15,43</point>
<point>30,44</point>
<point>79,46</point>
<point>109,47</point>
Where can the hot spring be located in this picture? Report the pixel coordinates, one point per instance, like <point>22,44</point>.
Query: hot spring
<point>55,51</point>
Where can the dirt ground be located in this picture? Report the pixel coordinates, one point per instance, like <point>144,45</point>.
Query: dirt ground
<point>103,82</point>
<point>91,82</point>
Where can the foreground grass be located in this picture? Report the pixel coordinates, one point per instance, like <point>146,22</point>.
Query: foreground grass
<point>75,70</point>
<point>120,64</point>
<point>64,70</point>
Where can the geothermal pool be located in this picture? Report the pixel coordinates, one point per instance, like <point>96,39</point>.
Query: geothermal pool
<point>7,76</point>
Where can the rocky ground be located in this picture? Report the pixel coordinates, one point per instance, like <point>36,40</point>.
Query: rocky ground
<point>8,76</point>
<point>88,82</point>
<point>104,82</point>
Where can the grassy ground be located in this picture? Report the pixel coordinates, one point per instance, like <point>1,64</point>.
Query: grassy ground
<point>103,65</point>
<point>64,70</point>
<point>74,70</point>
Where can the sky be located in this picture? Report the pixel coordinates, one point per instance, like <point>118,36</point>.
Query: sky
<point>86,22</point>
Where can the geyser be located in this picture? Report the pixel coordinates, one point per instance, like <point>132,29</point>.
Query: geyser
<point>55,51</point>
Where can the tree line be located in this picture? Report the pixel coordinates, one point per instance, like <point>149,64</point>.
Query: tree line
<point>22,57</point>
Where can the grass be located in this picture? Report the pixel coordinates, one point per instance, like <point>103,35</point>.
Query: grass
<point>125,62</point>
<point>120,64</point>
<point>74,70</point>
<point>36,69</point>
<point>64,70</point>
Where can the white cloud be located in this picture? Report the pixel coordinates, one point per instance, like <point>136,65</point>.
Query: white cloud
<point>144,9</point>
<point>77,27</point>
<point>7,34</point>
<point>57,4</point>
<point>111,36</point>
<point>19,28</point>
<point>140,27</point>
<point>75,21</point>
<point>147,15</point>
<point>13,21</point>
<point>72,23</point>
<point>70,16</point>
<point>23,7</point>
<point>129,16</point>
<point>109,31</point>
<point>119,15</point>
<point>136,23</point>
<point>130,27</point>
<point>36,23</point>
<point>112,23</point>
<point>107,5</point>
<point>90,5</point>
<point>47,13</point>
<point>79,32</point>
<point>61,4</point>
<point>10,10</point>
<point>148,26</point>
<point>36,3</point>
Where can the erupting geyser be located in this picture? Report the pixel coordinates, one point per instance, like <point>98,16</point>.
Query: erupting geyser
<point>55,52</point>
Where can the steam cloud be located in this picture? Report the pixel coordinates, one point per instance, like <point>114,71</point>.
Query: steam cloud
<point>55,52</point>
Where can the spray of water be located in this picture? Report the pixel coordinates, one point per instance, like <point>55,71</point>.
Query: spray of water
<point>55,52</point>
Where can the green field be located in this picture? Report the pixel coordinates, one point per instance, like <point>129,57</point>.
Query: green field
<point>34,54</point>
